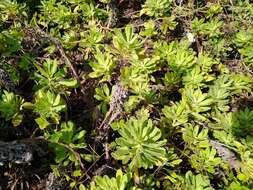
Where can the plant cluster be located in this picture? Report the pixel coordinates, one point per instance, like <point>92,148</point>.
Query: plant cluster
<point>143,94</point>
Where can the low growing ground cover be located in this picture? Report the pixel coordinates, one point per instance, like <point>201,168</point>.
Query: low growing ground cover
<point>126,94</point>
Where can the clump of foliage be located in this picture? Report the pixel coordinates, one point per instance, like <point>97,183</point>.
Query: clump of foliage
<point>153,94</point>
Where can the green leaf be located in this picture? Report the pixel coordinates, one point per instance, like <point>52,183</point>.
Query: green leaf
<point>71,83</point>
<point>10,105</point>
<point>81,187</point>
<point>79,135</point>
<point>77,173</point>
<point>42,122</point>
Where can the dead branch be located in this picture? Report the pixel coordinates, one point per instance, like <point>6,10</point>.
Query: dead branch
<point>116,106</point>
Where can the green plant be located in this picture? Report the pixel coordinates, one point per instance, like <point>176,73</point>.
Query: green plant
<point>169,23</point>
<point>156,8</point>
<point>195,137</point>
<point>193,78</point>
<point>139,144</point>
<point>48,105</point>
<point>137,82</point>
<point>127,43</point>
<point>145,66</point>
<point>246,167</point>
<point>241,83</point>
<point>243,38</point>
<point>213,9</point>
<point>196,182</point>
<point>91,12</point>
<point>211,28</point>
<point>182,60</point>
<point>236,185</point>
<point>115,183</point>
<point>104,95</point>
<point>158,92</point>
<point>53,12</point>
<point>10,42</point>
<point>91,39</point>
<point>220,97</point>
<point>204,160</point>
<point>10,9</point>
<point>66,141</point>
<point>177,114</point>
<point>103,67</point>
<point>149,30</point>
<point>50,77</point>
<point>197,102</point>
<point>172,79</point>
<point>11,107</point>
<point>245,123</point>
